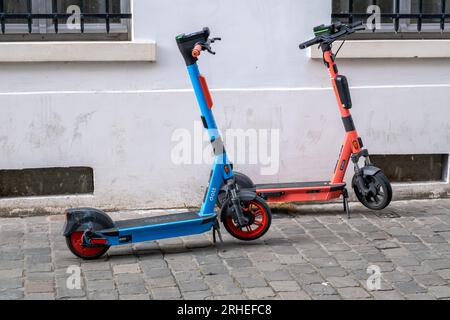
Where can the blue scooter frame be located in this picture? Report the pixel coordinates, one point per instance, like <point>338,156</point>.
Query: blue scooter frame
<point>90,232</point>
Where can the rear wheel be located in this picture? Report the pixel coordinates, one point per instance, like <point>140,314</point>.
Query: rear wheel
<point>75,244</point>
<point>259,216</point>
<point>242,182</point>
<point>383,195</point>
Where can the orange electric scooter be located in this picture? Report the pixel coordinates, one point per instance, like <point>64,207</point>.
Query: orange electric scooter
<point>370,184</point>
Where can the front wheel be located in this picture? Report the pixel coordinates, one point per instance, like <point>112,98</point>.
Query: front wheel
<point>258,214</point>
<point>383,194</point>
<point>242,182</point>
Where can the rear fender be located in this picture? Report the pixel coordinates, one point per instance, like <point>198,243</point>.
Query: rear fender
<point>86,218</point>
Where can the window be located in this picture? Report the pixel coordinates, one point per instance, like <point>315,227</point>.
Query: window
<point>410,19</point>
<point>64,20</point>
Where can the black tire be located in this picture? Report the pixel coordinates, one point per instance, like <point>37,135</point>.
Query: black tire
<point>242,182</point>
<point>384,192</point>
<point>262,211</point>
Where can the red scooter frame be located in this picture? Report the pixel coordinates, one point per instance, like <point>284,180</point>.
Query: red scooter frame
<point>371,186</point>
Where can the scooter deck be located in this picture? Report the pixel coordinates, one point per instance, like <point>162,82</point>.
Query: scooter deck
<point>163,219</point>
<point>158,227</point>
<point>300,191</point>
<point>294,185</point>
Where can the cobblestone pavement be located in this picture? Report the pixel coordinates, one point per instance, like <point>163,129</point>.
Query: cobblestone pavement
<point>315,253</point>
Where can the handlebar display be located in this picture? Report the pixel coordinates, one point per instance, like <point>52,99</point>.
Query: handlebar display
<point>328,34</point>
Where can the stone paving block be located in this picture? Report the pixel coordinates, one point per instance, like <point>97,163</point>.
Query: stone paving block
<point>161,282</point>
<point>98,275</point>
<point>251,281</point>
<point>213,269</point>
<point>187,275</point>
<point>438,264</point>
<point>409,287</point>
<point>10,264</point>
<point>408,239</point>
<point>208,259</point>
<point>333,271</point>
<point>315,253</point>
<point>11,283</point>
<point>406,261</point>
<point>103,295</point>
<point>384,245</point>
<point>40,296</point>
<point>338,247</point>
<point>397,276</point>
<point>96,266</point>
<point>309,278</point>
<point>39,286</point>
<point>297,295</point>
<point>440,292</point>
<point>100,285</point>
<point>126,268</point>
<point>430,280</point>
<point>387,295</point>
<point>342,282</point>
<point>142,296</point>
<point>192,285</point>
<point>316,289</point>
<point>14,294</point>
<point>238,262</point>
<point>131,288</point>
<point>420,296</point>
<point>11,273</point>
<point>259,293</point>
<point>284,286</point>
<point>197,295</point>
<point>444,274</point>
<point>170,293</point>
<point>346,256</point>
<point>426,255</point>
<point>41,267</point>
<point>278,275</point>
<point>396,252</point>
<point>324,262</point>
<point>353,293</point>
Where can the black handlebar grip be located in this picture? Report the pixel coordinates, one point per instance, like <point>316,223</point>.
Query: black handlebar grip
<point>309,43</point>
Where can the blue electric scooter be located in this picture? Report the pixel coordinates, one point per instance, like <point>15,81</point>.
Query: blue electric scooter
<point>90,232</point>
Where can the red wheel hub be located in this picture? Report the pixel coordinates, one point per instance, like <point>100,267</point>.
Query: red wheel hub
<point>258,221</point>
<point>76,239</point>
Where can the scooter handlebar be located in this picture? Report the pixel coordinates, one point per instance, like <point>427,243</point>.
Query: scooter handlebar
<point>309,43</point>
<point>341,30</point>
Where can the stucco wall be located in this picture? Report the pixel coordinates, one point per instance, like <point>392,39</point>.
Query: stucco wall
<point>118,118</point>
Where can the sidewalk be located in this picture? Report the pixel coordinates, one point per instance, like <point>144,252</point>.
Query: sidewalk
<point>314,254</point>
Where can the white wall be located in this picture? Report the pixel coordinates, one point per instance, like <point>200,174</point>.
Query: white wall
<point>118,118</point>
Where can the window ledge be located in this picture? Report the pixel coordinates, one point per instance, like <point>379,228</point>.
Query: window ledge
<point>107,51</point>
<point>388,49</point>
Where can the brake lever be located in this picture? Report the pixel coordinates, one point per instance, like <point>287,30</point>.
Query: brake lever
<point>210,51</point>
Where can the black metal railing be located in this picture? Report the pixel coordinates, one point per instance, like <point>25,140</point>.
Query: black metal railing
<point>395,16</point>
<point>29,16</point>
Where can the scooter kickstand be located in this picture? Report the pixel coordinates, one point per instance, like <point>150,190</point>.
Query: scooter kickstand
<point>346,206</point>
<point>216,229</point>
